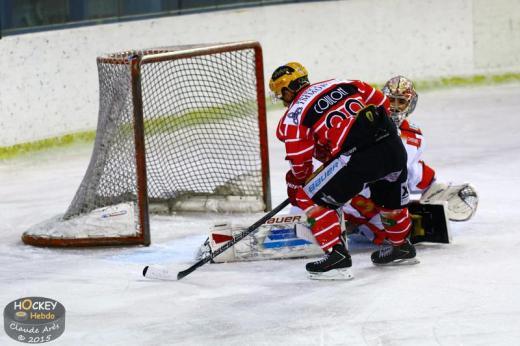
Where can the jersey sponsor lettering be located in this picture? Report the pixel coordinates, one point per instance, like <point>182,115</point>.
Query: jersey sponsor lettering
<point>330,100</point>
<point>312,91</point>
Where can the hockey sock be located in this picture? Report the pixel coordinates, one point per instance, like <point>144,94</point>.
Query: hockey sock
<point>397,224</point>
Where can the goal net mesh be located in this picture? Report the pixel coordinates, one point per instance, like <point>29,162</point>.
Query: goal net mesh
<point>201,131</point>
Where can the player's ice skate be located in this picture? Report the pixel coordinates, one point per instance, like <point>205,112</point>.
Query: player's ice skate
<point>335,265</point>
<point>395,255</point>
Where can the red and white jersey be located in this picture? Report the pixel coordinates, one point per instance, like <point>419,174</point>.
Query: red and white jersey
<point>420,175</point>
<point>317,122</point>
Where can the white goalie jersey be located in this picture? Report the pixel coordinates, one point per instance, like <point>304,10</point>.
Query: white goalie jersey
<point>462,200</point>
<point>420,175</point>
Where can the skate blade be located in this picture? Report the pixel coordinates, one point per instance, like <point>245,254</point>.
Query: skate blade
<point>401,262</point>
<point>333,274</point>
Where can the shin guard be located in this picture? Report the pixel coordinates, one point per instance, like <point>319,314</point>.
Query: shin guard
<point>397,224</point>
<point>324,222</point>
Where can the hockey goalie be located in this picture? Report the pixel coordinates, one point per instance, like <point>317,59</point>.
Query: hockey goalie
<point>433,204</point>
<point>431,198</point>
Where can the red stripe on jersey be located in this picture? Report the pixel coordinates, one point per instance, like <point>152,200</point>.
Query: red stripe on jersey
<point>411,134</point>
<point>407,127</point>
<point>428,174</point>
<point>373,96</point>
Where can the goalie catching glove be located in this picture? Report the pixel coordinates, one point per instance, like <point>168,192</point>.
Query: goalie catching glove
<point>462,199</point>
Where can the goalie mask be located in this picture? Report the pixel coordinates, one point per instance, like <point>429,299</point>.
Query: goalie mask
<point>292,76</point>
<point>403,98</point>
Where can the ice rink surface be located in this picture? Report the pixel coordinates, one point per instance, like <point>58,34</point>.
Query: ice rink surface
<point>464,293</point>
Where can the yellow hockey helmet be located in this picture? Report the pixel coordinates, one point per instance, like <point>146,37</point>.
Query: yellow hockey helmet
<point>292,76</point>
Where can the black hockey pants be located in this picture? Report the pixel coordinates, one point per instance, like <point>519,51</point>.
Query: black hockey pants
<point>380,166</point>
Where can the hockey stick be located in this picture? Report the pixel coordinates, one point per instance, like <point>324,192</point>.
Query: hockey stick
<point>232,242</point>
<point>240,236</point>
<point>276,210</point>
<point>261,221</point>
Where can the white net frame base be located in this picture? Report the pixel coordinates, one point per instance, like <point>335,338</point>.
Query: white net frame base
<point>214,204</point>
<point>104,226</point>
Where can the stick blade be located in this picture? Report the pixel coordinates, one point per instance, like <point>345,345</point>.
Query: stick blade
<point>156,272</point>
<point>184,273</point>
<point>181,275</point>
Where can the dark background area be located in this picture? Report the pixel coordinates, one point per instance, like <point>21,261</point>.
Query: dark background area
<point>23,16</point>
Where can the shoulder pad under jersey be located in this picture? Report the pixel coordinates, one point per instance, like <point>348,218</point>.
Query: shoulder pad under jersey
<point>407,126</point>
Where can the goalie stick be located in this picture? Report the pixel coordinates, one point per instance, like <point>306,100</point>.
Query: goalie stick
<point>382,134</point>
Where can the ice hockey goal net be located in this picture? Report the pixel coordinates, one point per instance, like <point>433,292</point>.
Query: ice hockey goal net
<point>178,128</point>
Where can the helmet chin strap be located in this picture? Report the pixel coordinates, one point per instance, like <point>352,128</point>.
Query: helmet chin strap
<point>286,94</point>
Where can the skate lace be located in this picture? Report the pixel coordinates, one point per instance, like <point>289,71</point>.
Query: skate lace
<point>385,251</point>
<point>323,259</point>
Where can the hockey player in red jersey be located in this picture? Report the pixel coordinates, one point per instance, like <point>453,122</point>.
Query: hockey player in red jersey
<point>462,200</point>
<point>344,123</point>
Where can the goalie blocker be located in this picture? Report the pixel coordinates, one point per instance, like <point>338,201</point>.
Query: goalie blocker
<point>288,236</point>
